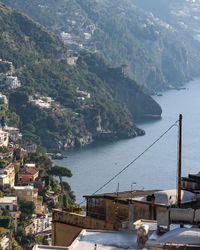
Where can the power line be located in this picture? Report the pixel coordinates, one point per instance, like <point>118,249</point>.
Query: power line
<point>141,154</point>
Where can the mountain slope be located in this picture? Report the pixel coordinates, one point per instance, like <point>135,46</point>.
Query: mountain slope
<point>62,105</point>
<point>156,54</point>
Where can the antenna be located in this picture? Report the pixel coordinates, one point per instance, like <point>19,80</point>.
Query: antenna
<point>179,160</point>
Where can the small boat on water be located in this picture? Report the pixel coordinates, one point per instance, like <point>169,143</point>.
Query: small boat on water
<point>58,156</point>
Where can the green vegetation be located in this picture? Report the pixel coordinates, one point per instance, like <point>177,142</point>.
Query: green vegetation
<point>6,222</point>
<point>8,117</point>
<point>41,66</point>
<point>60,172</point>
<point>23,239</point>
<point>3,163</point>
<point>4,67</point>
<point>27,209</point>
<point>157,56</point>
<point>52,188</point>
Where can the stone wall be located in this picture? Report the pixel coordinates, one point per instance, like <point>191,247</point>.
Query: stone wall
<point>66,226</point>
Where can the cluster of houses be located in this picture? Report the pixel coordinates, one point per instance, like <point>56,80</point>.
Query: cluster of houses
<point>25,183</point>
<point>23,186</point>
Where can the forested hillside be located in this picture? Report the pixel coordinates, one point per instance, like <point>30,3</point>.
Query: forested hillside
<point>62,105</point>
<point>155,53</point>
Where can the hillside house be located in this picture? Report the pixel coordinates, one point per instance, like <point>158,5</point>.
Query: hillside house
<point>7,175</point>
<point>27,176</point>
<point>10,203</point>
<point>30,193</point>
<point>12,82</point>
<point>3,139</point>
<point>14,133</point>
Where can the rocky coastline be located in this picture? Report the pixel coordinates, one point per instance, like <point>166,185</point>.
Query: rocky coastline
<point>87,138</point>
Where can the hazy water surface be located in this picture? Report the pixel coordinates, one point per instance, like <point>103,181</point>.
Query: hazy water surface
<point>157,169</point>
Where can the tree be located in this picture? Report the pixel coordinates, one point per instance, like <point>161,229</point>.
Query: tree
<point>70,193</point>
<point>27,209</point>
<point>6,222</point>
<point>60,172</point>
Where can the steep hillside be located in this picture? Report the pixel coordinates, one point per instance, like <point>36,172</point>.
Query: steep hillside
<point>156,54</point>
<point>181,14</point>
<point>62,105</point>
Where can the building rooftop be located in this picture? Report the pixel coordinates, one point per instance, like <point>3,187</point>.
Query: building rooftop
<point>30,165</point>
<point>126,195</point>
<point>24,187</point>
<point>28,171</point>
<point>194,174</point>
<point>6,200</point>
<point>105,240</point>
<point>180,236</point>
<point>41,247</point>
<point>169,197</point>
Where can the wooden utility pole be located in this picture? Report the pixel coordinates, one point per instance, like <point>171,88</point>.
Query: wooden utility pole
<point>179,160</point>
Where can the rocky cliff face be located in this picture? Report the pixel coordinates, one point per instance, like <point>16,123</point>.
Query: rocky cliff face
<point>179,52</point>
<point>140,105</point>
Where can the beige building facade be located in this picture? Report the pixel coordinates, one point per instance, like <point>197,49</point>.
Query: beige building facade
<point>7,175</point>
<point>30,193</point>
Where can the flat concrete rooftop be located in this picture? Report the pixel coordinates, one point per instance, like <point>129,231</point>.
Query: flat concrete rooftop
<point>105,240</point>
<point>123,195</point>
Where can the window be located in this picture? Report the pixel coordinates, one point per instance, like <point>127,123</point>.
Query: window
<point>30,179</point>
<point>28,193</point>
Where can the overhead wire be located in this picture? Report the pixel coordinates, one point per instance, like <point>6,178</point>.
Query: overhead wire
<point>135,159</point>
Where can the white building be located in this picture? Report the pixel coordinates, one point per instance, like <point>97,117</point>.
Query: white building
<point>3,98</point>
<point>12,82</point>
<point>43,102</point>
<point>10,203</point>
<point>14,133</point>
<point>3,139</point>
<point>30,165</point>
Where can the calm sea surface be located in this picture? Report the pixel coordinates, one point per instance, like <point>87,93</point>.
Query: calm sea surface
<point>157,169</point>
